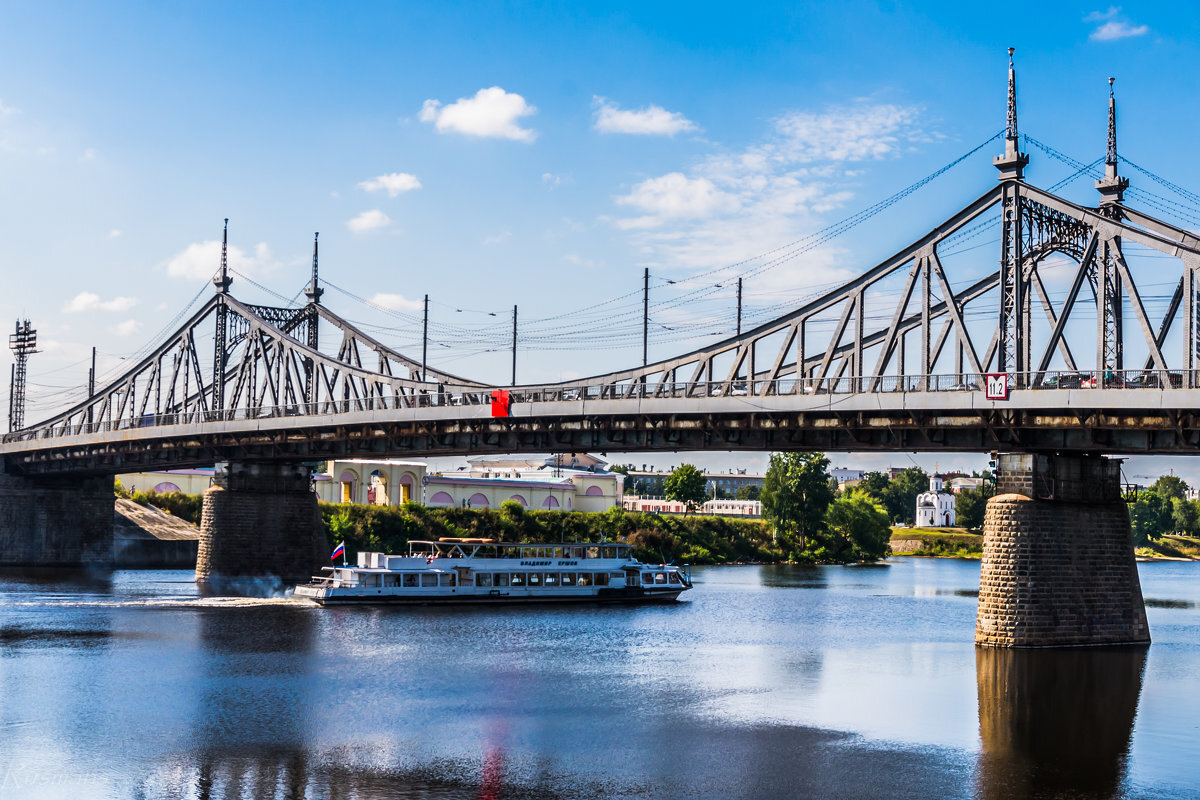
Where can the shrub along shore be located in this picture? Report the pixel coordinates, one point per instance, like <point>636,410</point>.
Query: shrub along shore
<point>655,538</point>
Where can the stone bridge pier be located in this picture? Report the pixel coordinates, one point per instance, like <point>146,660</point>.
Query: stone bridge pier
<point>259,521</point>
<point>56,522</point>
<point>1058,567</point>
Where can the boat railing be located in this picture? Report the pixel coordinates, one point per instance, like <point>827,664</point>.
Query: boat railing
<point>685,574</point>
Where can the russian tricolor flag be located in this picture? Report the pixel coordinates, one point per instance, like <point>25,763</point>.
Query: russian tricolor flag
<point>340,550</point>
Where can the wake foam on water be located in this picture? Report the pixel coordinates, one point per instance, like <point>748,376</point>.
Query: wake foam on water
<point>164,602</point>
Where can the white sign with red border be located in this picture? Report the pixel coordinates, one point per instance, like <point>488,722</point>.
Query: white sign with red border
<point>996,387</point>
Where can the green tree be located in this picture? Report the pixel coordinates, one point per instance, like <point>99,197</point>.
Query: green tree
<point>900,496</point>
<point>686,485</point>
<point>874,484</point>
<point>796,494</point>
<point>748,492</point>
<point>1170,487</point>
<point>859,527</point>
<point>623,469</point>
<point>1150,517</point>
<point>1185,516</point>
<point>969,506</point>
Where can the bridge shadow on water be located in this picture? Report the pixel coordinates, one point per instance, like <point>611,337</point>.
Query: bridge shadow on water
<point>1056,723</point>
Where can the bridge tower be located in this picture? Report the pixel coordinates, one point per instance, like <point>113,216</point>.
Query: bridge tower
<point>313,293</point>
<point>222,281</point>
<point>1013,351</point>
<point>259,519</point>
<point>1058,564</point>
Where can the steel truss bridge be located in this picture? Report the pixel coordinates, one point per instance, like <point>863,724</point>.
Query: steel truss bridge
<point>896,359</point>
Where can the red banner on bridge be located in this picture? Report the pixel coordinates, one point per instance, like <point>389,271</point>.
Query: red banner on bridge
<point>501,403</point>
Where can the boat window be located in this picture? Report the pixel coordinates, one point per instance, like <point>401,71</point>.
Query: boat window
<point>593,552</point>
<point>585,579</point>
<point>660,577</point>
<point>535,580</point>
<point>601,578</point>
<point>551,579</point>
<point>500,579</point>
<point>647,577</point>
<point>450,579</point>
<point>410,579</point>
<point>568,579</point>
<point>483,579</point>
<point>518,579</point>
<point>428,580</point>
<point>610,552</point>
<point>675,577</point>
<point>558,552</point>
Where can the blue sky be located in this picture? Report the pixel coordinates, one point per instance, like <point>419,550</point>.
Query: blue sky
<point>537,154</point>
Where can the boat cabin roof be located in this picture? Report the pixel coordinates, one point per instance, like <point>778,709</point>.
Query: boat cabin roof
<point>485,547</point>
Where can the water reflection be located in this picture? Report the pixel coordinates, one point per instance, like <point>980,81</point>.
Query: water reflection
<point>1056,723</point>
<point>790,576</point>
<point>253,682</point>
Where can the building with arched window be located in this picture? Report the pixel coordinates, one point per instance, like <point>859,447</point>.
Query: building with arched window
<point>935,508</point>
<point>574,482</point>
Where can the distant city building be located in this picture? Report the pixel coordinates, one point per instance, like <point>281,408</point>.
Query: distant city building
<point>935,508</point>
<point>649,482</point>
<point>716,508</point>
<point>844,475</point>
<point>188,481</point>
<point>963,484</point>
<point>574,482</point>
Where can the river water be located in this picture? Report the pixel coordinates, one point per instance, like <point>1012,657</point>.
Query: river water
<point>766,682</point>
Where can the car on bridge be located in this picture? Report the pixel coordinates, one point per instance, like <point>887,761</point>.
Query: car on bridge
<point>1111,381</point>
<point>1155,380</point>
<point>1065,380</point>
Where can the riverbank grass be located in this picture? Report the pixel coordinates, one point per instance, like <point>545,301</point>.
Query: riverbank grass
<point>936,542</point>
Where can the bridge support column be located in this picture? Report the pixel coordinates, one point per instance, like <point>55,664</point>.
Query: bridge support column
<point>1058,567</point>
<point>56,522</point>
<point>259,521</point>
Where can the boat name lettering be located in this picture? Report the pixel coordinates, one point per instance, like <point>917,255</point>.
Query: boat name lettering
<point>561,563</point>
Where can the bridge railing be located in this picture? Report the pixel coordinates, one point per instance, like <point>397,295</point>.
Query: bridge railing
<point>1156,380</point>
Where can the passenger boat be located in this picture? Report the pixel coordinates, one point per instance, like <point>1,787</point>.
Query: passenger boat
<point>453,571</point>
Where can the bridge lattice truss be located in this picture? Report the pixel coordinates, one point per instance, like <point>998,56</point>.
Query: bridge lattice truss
<point>864,338</point>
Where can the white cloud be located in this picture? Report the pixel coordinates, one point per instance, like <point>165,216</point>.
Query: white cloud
<point>6,109</point>
<point>88,155</point>
<point>490,113</point>
<point>651,120</point>
<point>853,133</point>
<point>1112,26</point>
<point>87,301</point>
<point>498,238</point>
<point>552,180</point>
<point>1101,16</point>
<point>737,204</point>
<point>114,233</point>
<point>1117,30</point>
<point>127,328</point>
<point>395,302</point>
<point>201,260</point>
<point>393,183</point>
<point>369,221</point>
<point>675,195</point>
